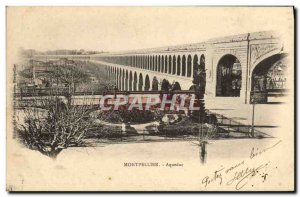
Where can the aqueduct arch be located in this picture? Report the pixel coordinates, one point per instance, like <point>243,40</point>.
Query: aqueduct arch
<point>269,77</point>
<point>183,66</point>
<point>189,66</point>
<point>229,76</point>
<point>135,81</point>
<point>147,83</point>
<point>130,81</point>
<point>178,65</point>
<point>126,81</point>
<point>141,83</point>
<point>155,83</point>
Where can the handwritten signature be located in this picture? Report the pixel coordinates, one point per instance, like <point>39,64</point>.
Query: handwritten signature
<point>242,177</point>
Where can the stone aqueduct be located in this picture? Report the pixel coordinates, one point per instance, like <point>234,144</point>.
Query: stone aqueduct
<point>136,70</point>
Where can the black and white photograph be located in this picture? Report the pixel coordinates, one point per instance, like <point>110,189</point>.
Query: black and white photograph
<point>150,98</point>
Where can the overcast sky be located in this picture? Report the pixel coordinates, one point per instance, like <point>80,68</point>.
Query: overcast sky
<point>118,29</point>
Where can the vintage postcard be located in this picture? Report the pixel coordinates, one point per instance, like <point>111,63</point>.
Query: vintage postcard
<point>150,99</point>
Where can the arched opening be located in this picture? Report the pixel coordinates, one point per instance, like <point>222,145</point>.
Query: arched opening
<point>175,86</point>
<point>189,66</point>
<point>183,72</point>
<point>195,69</point>
<point>268,79</point>
<point>229,77</point>
<point>130,61</point>
<point>154,84</point>
<point>166,64</point>
<point>174,65</point>
<point>146,62</point>
<point>162,64</point>
<point>170,65</point>
<point>119,78</point>
<point>147,83</point>
<point>143,62</point>
<point>116,76</point>
<point>178,65</point>
<point>140,82</point>
<point>135,81</point>
<point>136,61</point>
<point>130,81</point>
<point>155,63</point>
<point>126,80</point>
<point>159,64</point>
<point>165,85</point>
<point>139,62</point>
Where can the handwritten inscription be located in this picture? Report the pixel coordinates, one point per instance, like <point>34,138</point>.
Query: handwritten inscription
<point>217,177</point>
<point>257,152</point>
<point>241,173</point>
<point>242,177</point>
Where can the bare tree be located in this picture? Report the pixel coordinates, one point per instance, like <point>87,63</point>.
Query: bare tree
<point>50,125</point>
